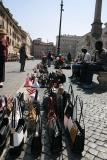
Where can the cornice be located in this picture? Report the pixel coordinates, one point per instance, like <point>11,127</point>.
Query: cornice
<point>11,19</point>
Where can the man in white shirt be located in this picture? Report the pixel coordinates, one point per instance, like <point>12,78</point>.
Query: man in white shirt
<point>86,62</point>
<point>87,58</point>
<point>77,67</point>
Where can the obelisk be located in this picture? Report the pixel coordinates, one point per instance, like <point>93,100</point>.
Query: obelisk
<point>96,30</point>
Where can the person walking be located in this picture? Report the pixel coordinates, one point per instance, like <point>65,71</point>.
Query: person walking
<point>69,57</point>
<point>44,59</point>
<point>49,58</point>
<point>3,55</point>
<point>23,57</point>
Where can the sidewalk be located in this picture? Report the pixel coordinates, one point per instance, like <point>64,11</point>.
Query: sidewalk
<point>15,78</point>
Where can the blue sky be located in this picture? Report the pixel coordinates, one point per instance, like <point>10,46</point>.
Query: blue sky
<point>40,18</point>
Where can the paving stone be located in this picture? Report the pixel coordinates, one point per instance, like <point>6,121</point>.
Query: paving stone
<point>92,139</point>
<point>88,134</point>
<point>95,136</point>
<point>102,139</point>
<point>93,151</point>
<point>105,145</point>
<point>100,127</point>
<point>89,156</point>
<point>86,148</point>
<point>100,143</point>
<point>92,145</point>
<point>104,136</point>
<point>93,129</point>
<point>101,148</point>
<point>83,153</point>
<point>98,130</point>
<point>102,155</point>
<point>97,133</point>
<point>86,141</point>
<point>104,131</point>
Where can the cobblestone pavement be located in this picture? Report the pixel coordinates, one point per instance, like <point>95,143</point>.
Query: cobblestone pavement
<point>95,116</point>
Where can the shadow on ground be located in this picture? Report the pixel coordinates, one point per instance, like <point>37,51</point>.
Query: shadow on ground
<point>96,88</point>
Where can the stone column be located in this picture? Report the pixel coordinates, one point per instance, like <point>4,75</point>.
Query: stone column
<point>97,25</point>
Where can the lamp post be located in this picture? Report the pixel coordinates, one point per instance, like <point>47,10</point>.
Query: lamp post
<point>59,36</point>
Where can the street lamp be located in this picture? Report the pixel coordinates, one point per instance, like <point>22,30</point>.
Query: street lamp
<point>59,37</point>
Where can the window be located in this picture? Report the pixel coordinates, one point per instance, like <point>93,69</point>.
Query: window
<point>1,23</point>
<point>12,43</point>
<point>10,31</point>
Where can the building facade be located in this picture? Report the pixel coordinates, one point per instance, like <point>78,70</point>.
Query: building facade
<point>68,43</point>
<point>104,36</point>
<point>40,48</point>
<point>15,35</point>
<point>73,44</point>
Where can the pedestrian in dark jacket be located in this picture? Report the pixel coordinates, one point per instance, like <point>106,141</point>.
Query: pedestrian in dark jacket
<point>49,58</point>
<point>23,57</point>
<point>3,56</point>
<point>69,57</point>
